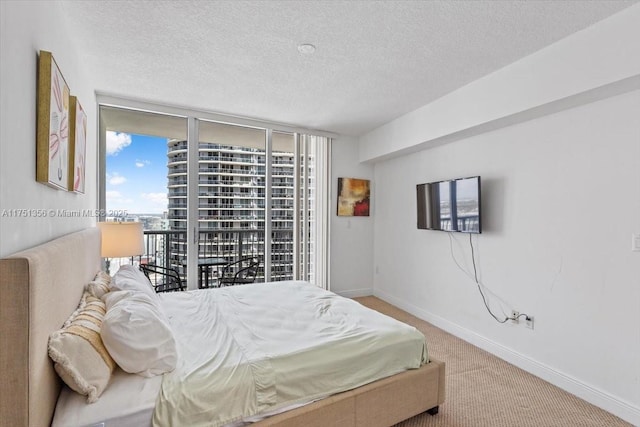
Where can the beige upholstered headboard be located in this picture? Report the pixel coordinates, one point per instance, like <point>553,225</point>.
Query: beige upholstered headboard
<point>39,288</point>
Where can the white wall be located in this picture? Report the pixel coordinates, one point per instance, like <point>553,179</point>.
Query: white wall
<point>557,143</point>
<point>27,28</point>
<point>351,239</point>
<point>561,198</point>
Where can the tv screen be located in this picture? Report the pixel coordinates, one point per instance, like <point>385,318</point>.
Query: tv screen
<point>452,205</point>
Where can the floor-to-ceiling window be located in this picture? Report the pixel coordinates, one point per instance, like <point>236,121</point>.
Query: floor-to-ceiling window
<point>283,149</point>
<point>136,176</point>
<point>233,191</point>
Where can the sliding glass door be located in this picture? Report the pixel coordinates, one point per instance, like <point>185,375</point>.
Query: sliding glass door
<point>230,202</point>
<point>239,192</point>
<point>283,202</point>
<point>140,182</point>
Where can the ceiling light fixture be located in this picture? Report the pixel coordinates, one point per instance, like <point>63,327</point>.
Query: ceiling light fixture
<point>306,48</point>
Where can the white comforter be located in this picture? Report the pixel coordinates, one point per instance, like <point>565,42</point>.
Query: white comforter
<point>249,349</point>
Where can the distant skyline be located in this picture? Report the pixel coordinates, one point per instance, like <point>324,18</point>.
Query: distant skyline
<point>136,175</point>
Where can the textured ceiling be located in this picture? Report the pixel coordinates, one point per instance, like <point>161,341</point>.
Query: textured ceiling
<point>375,60</point>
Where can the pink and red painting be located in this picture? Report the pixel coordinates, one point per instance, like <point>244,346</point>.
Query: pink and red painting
<point>77,145</point>
<point>52,139</point>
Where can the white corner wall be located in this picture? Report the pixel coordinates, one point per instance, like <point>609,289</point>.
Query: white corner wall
<point>561,199</point>
<point>26,28</point>
<point>351,238</point>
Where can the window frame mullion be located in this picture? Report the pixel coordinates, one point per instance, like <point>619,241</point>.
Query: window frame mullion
<point>267,204</point>
<point>193,228</point>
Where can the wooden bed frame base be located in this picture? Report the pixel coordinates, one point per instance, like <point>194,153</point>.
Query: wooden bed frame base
<point>40,287</point>
<point>382,403</point>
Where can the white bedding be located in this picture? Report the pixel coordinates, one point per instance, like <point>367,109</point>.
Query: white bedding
<point>128,401</point>
<point>287,343</point>
<point>273,345</point>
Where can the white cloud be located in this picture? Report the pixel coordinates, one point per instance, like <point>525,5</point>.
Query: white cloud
<point>116,179</point>
<point>156,198</point>
<point>115,197</point>
<point>116,141</point>
<point>118,201</point>
<point>111,195</point>
<point>142,163</point>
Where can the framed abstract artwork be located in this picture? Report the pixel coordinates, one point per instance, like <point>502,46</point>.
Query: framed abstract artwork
<point>77,145</point>
<point>52,138</point>
<point>353,197</point>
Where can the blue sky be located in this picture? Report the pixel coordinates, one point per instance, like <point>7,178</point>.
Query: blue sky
<point>136,173</point>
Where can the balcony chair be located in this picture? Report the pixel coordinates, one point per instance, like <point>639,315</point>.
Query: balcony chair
<point>239,272</point>
<point>165,279</point>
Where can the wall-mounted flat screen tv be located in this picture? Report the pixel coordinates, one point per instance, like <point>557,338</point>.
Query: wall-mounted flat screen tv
<point>452,205</point>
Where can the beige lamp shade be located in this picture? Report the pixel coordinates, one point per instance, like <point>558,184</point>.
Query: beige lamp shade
<point>121,239</point>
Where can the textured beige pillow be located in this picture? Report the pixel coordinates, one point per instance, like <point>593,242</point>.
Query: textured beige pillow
<point>100,285</point>
<point>80,357</point>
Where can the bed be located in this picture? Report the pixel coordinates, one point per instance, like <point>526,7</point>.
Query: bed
<point>41,287</point>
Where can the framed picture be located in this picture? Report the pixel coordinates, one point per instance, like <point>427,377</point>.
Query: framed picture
<point>52,139</point>
<point>77,145</point>
<point>353,197</point>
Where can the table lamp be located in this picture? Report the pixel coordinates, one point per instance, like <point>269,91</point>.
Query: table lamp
<point>121,239</point>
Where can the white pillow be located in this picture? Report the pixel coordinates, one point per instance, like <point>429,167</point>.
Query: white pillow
<point>137,334</point>
<point>130,278</point>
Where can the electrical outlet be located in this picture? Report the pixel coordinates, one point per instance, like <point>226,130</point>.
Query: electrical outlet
<point>529,322</point>
<point>514,317</point>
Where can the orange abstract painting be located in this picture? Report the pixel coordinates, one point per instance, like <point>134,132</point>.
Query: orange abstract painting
<point>353,197</point>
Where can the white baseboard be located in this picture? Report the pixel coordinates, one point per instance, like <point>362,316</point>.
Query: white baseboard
<point>622,409</point>
<point>364,292</point>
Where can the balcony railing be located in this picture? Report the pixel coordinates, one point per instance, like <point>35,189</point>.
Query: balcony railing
<point>468,222</point>
<point>168,248</point>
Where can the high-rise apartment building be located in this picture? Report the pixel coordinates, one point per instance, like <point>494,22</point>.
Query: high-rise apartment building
<point>231,204</point>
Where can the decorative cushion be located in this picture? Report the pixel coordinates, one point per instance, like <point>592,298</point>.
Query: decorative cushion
<point>130,278</point>
<point>100,285</point>
<point>80,357</point>
<point>137,334</point>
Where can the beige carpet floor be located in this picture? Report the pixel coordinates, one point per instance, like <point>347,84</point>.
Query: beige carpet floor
<point>485,391</point>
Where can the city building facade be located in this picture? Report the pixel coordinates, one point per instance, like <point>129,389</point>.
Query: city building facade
<point>231,205</point>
